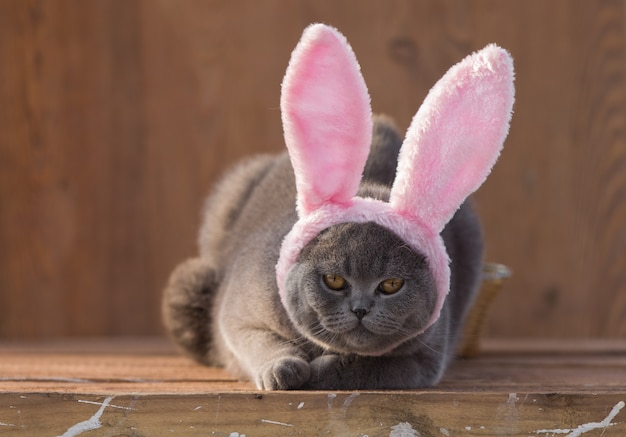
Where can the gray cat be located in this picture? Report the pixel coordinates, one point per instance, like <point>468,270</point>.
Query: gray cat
<point>327,268</point>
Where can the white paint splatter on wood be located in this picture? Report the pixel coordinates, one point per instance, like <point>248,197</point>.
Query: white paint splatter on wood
<point>403,429</point>
<point>90,424</point>
<point>110,405</point>
<point>582,429</point>
<point>272,422</point>
<point>330,400</point>
<point>506,421</point>
<point>349,399</point>
<point>217,410</point>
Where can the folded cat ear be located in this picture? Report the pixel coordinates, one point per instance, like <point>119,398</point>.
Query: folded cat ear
<point>327,118</point>
<point>455,137</point>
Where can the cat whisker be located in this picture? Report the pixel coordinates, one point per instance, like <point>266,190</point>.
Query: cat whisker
<point>438,352</point>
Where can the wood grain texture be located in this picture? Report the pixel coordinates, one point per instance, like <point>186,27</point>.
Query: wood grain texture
<point>116,118</point>
<point>345,414</point>
<point>516,388</point>
<point>561,181</point>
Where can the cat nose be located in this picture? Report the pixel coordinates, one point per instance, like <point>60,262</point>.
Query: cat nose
<point>360,313</point>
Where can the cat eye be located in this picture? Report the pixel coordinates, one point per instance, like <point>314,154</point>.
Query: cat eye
<point>335,282</point>
<point>391,285</point>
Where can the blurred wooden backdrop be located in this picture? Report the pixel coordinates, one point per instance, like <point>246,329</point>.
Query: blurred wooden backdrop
<point>116,116</point>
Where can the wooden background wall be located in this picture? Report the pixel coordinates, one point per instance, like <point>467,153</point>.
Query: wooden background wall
<point>117,115</point>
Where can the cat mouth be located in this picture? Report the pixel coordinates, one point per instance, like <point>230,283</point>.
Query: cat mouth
<point>359,340</point>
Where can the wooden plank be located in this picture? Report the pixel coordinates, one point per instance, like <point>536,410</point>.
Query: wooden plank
<point>501,366</point>
<point>508,389</point>
<point>47,372</point>
<point>314,414</point>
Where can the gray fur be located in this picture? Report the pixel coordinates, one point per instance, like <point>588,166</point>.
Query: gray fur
<point>224,309</point>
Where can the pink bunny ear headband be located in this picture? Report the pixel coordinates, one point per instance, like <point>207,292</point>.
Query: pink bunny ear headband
<point>452,143</point>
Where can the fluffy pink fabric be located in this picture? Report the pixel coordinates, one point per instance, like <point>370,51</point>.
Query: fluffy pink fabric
<point>455,137</point>
<point>450,147</point>
<point>409,228</point>
<point>327,119</point>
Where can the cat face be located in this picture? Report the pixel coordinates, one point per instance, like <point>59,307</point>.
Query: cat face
<point>358,288</point>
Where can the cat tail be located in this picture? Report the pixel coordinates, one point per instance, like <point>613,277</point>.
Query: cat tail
<point>382,161</point>
<point>187,308</point>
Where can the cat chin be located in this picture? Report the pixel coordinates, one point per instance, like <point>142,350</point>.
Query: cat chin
<point>376,352</point>
<point>364,352</point>
<point>351,344</point>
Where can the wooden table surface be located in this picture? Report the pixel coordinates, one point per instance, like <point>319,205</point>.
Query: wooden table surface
<point>142,387</point>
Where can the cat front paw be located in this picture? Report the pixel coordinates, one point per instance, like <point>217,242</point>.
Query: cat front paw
<point>326,373</point>
<point>287,373</point>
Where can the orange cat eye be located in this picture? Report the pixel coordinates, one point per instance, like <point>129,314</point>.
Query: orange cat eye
<point>391,285</point>
<point>335,282</point>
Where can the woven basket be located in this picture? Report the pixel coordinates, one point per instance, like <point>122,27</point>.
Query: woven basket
<point>494,276</point>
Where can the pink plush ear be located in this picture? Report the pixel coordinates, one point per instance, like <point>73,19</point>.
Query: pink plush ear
<point>455,137</point>
<point>327,119</point>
